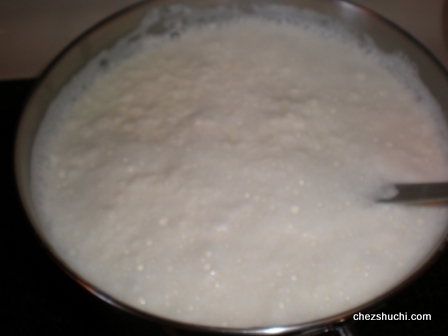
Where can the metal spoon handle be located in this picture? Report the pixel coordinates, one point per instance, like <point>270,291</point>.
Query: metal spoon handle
<point>417,192</point>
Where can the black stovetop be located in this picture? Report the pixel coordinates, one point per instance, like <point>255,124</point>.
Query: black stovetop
<point>38,298</point>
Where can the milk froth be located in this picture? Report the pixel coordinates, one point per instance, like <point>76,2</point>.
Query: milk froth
<point>228,177</point>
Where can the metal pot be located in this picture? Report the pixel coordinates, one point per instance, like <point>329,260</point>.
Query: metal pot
<point>386,36</point>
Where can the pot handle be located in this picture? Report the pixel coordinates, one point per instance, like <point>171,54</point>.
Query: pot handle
<point>345,329</point>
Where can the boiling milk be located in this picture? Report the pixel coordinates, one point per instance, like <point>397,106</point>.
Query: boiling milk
<point>228,177</point>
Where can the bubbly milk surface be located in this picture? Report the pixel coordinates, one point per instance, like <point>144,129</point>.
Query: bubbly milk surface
<point>228,177</point>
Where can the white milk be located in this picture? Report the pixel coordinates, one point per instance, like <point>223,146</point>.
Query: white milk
<point>228,177</point>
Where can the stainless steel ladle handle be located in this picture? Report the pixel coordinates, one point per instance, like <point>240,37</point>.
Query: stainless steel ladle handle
<point>415,192</point>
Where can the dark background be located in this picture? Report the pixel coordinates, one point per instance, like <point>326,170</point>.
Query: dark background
<point>36,297</point>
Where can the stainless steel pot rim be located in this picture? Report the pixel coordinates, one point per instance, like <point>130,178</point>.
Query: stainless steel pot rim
<point>49,86</point>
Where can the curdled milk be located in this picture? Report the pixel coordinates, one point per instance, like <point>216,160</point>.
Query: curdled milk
<point>228,177</point>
